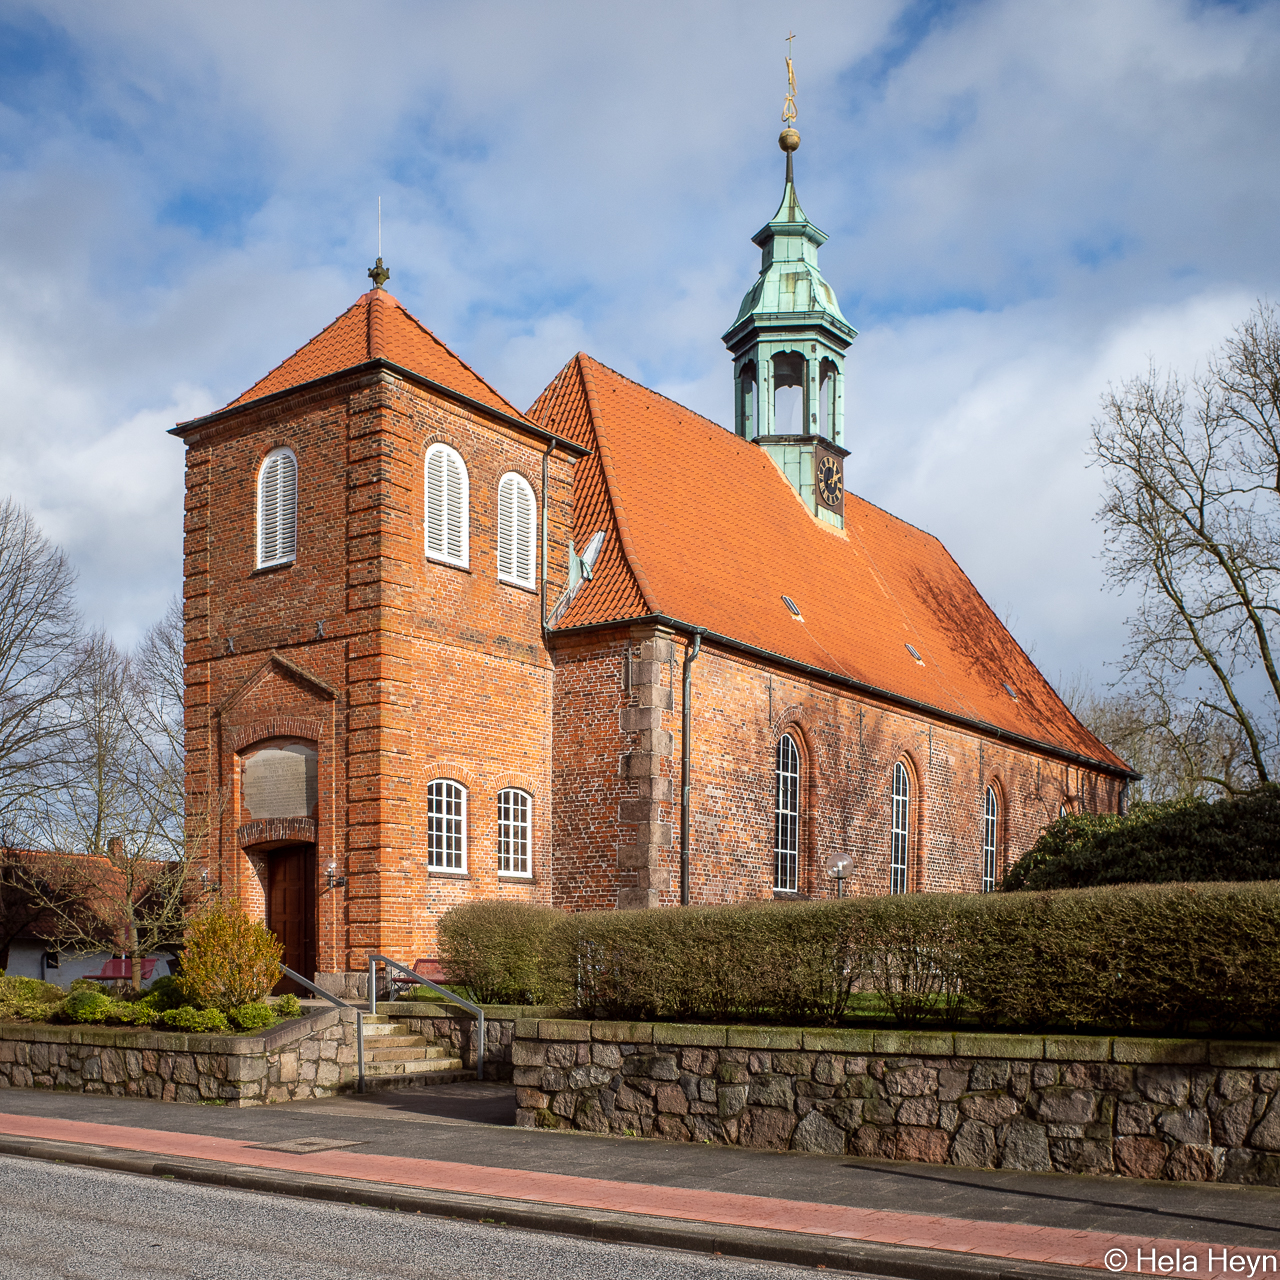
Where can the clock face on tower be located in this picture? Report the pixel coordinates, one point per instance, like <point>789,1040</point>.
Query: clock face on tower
<point>830,481</point>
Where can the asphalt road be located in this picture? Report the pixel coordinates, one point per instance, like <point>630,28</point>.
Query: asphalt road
<point>69,1223</point>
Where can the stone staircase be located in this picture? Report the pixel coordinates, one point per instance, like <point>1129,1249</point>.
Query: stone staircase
<point>392,1051</point>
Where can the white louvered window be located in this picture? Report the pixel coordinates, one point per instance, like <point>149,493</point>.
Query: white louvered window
<point>990,822</point>
<point>786,816</point>
<point>447,502</point>
<point>277,509</point>
<point>901,829</point>
<point>514,830</point>
<point>517,520</point>
<point>446,826</point>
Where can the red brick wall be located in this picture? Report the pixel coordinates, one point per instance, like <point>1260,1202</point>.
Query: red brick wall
<point>424,670</point>
<point>848,748</point>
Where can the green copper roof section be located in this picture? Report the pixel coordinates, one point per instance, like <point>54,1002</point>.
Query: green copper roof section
<point>791,289</point>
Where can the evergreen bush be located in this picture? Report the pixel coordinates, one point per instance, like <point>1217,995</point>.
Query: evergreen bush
<point>28,999</point>
<point>1187,840</point>
<point>252,1017</point>
<point>187,1018</point>
<point>229,960</point>
<point>288,1006</point>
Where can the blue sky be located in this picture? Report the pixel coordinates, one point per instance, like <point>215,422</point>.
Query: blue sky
<point>1025,202</point>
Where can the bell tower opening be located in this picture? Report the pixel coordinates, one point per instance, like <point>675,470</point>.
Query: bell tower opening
<point>788,346</point>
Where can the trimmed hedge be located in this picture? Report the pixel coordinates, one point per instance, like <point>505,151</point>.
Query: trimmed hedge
<point>1185,840</point>
<point>1203,957</point>
<point>498,946</point>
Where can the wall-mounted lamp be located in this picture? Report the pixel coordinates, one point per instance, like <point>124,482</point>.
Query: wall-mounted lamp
<point>209,886</point>
<point>332,879</point>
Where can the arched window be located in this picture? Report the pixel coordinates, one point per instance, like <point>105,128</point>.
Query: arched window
<point>515,829</point>
<point>517,520</point>
<point>827,399</point>
<point>447,500</point>
<point>990,821</point>
<point>788,395</point>
<point>786,811</point>
<point>446,826</point>
<point>750,396</point>
<point>277,508</point>
<point>901,829</point>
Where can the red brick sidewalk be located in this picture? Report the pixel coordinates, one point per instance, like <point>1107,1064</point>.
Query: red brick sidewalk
<point>1014,1241</point>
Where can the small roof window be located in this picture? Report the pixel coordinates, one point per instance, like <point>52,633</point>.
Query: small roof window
<point>795,608</point>
<point>1009,690</point>
<point>911,649</point>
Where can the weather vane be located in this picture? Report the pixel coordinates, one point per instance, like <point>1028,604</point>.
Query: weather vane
<point>789,106</point>
<point>378,273</point>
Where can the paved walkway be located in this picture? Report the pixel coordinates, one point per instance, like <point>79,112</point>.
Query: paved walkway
<point>891,1212</point>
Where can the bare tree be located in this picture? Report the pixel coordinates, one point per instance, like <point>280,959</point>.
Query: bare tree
<point>1177,750</point>
<point>1192,508</point>
<point>39,660</point>
<point>119,809</point>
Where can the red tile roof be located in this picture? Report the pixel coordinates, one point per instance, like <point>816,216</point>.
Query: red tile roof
<point>701,526</point>
<point>376,327</point>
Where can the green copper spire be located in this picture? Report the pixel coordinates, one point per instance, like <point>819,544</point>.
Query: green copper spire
<point>788,344</point>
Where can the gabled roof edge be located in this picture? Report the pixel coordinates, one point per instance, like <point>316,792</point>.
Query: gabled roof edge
<point>859,686</point>
<point>606,465</point>
<point>524,424</point>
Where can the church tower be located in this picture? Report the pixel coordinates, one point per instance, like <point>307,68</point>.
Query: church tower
<point>788,346</point>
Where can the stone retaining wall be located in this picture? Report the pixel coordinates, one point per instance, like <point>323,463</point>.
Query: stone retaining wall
<point>1180,1110</point>
<point>309,1057</point>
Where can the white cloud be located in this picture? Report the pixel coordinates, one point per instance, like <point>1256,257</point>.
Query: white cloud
<point>1024,201</point>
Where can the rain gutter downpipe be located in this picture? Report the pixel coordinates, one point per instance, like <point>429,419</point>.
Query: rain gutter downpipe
<point>686,729</point>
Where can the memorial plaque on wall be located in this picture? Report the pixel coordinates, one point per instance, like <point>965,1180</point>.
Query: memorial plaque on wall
<point>280,782</point>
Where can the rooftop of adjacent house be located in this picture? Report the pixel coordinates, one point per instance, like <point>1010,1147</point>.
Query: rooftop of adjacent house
<point>701,527</point>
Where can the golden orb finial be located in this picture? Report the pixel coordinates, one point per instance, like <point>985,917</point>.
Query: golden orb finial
<point>789,140</point>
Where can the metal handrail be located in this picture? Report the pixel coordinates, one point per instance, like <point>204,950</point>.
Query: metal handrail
<point>426,982</point>
<point>342,1004</point>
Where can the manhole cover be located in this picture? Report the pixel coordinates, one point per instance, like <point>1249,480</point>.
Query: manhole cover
<point>305,1146</point>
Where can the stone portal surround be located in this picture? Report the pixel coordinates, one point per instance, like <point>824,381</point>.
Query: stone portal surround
<point>310,1057</point>
<point>1180,1110</point>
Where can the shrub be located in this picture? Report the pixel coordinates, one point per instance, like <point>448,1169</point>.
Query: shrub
<point>186,1018</point>
<point>288,1006</point>
<point>164,993</point>
<point>1203,957</point>
<point>253,1016</point>
<point>86,1006</point>
<point>1183,841</point>
<point>229,959</point>
<point>28,999</point>
<point>493,948</point>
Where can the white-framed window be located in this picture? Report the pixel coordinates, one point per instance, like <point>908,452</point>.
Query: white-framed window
<point>515,832</point>
<point>446,826</point>
<point>447,503</point>
<point>900,831</point>
<point>990,821</point>
<point>786,816</point>
<point>517,523</point>
<point>277,509</point>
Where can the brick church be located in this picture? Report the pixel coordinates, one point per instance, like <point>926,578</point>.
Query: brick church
<point>441,649</point>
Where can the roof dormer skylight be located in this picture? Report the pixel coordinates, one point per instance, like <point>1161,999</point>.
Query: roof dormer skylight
<point>1009,690</point>
<point>911,649</point>
<point>795,608</point>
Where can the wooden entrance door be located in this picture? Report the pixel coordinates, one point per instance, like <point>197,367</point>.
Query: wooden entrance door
<point>291,911</point>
